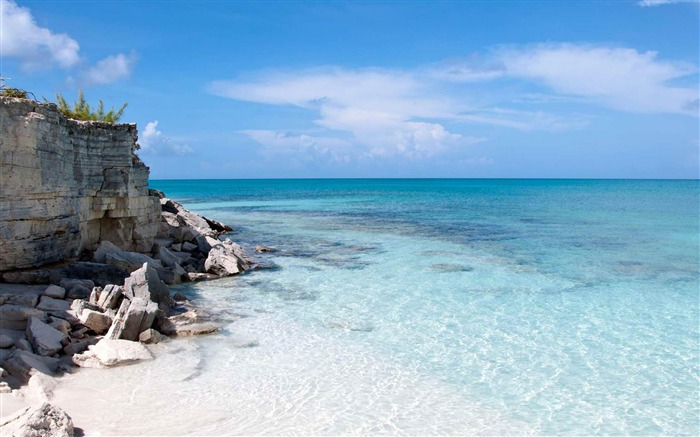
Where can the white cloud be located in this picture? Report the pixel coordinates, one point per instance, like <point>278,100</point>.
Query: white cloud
<point>620,78</point>
<point>22,38</point>
<point>153,142</point>
<point>111,69</point>
<point>648,3</point>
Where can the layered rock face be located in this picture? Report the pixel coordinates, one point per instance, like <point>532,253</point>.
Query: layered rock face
<point>67,185</point>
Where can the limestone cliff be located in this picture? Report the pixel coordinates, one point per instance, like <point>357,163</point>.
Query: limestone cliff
<point>66,185</point>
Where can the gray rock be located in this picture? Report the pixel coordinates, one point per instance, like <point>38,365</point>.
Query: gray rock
<point>21,365</point>
<point>79,346</point>
<point>15,317</point>
<point>176,247</point>
<point>202,244</point>
<point>260,248</point>
<point>43,421</point>
<point>54,291</point>
<point>95,295</point>
<point>196,329</point>
<point>151,336</point>
<point>146,284</point>
<point>179,297</point>
<point>101,274</point>
<point>133,318</point>
<point>60,324</point>
<point>79,305</point>
<point>79,291</point>
<point>189,247</point>
<point>111,296</point>
<point>98,322</point>
<point>24,345</point>
<point>69,283</point>
<point>223,260</point>
<point>50,304</point>
<point>45,340</point>
<point>109,353</point>
<point>20,294</point>
<point>6,341</point>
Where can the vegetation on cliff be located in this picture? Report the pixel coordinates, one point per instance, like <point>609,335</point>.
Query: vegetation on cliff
<point>81,110</point>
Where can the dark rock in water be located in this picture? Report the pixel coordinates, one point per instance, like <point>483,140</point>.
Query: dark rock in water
<point>179,297</point>
<point>100,274</point>
<point>447,268</point>
<point>260,248</point>
<point>45,420</point>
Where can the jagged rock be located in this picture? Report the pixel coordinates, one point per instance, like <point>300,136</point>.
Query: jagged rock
<point>260,248</point>
<point>15,316</point>
<point>133,317</point>
<point>95,295</point>
<point>179,297</point>
<point>21,364</point>
<point>46,420</point>
<point>164,242</point>
<point>96,321</point>
<point>189,247</point>
<point>79,346</point>
<point>109,353</point>
<point>203,243</point>
<point>79,305</point>
<point>146,284</point>
<point>54,291</point>
<point>60,324</point>
<point>69,283</point>
<point>50,304</point>
<point>45,340</point>
<point>110,297</point>
<point>224,261</point>
<point>101,274</point>
<point>151,336</point>
<point>79,291</point>
<point>176,247</point>
<point>6,341</point>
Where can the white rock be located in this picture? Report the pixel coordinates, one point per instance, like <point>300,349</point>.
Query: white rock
<point>98,322</point>
<point>44,421</point>
<point>109,353</point>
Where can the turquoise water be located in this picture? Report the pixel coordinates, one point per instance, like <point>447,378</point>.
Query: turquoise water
<point>450,307</point>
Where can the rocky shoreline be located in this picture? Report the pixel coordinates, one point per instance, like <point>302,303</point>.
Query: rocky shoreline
<point>47,330</point>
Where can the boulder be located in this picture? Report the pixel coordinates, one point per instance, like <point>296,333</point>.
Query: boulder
<point>110,353</point>
<point>134,317</point>
<point>69,283</point>
<point>95,295</point>
<point>98,322</point>
<point>79,291</point>
<point>45,420</point>
<point>54,291</point>
<point>203,243</point>
<point>45,340</point>
<point>79,346</point>
<point>15,316</point>
<point>176,247</point>
<point>223,260</point>
<point>179,297</point>
<point>79,305</point>
<point>110,297</point>
<point>24,345</point>
<point>166,257</point>
<point>189,247</point>
<point>6,341</point>
<point>195,329</point>
<point>146,284</point>
<point>151,336</point>
<point>20,294</point>
<point>22,364</point>
<point>60,324</point>
<point>50,304</point>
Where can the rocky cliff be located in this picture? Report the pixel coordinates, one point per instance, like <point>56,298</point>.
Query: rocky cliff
<point>66,185</point>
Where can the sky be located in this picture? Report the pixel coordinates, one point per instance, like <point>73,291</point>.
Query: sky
<point>292,89</point>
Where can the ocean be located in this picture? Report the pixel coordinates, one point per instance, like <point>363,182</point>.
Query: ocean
<point>431,306</point>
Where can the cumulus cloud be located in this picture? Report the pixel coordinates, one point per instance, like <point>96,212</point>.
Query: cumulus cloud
<point>153,142</point>
<point>23,39</point>
<point>620,78</point>
<point>111,69</point>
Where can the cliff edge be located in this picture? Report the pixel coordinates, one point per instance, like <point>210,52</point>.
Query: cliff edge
<point>67,185</point>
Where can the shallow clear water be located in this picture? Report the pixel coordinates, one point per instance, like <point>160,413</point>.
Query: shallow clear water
<point>434,307</point>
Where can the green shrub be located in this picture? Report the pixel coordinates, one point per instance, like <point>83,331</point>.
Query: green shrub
<point>81,110</point>
<point>14,92</point>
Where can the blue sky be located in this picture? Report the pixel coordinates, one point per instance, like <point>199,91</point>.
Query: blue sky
<point>601,89</point>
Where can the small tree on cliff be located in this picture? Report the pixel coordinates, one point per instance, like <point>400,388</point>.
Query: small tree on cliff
<point>81,110</point>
